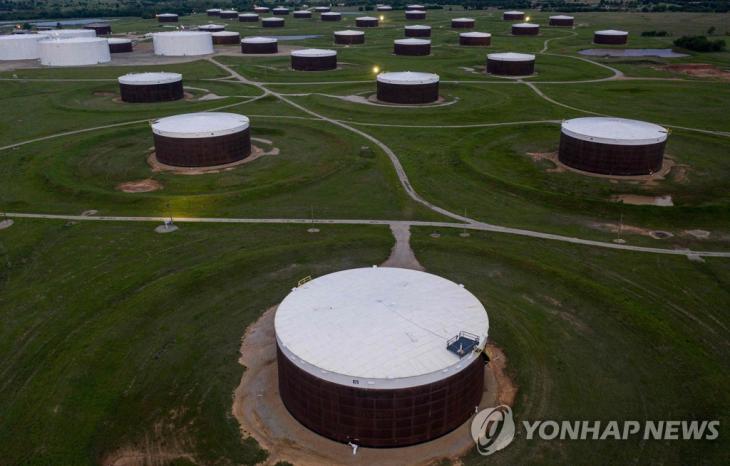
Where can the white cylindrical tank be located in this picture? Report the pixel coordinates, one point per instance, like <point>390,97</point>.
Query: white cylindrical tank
<point>20,46</point>
<point>76,51</point>
<point>182,43</point>
<point>70,33</point>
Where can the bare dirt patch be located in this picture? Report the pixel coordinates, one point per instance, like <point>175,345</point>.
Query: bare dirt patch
<point>699,234</point>
<point>158,448</point>
<point>7,223</point>
<point>630,229</point>
<point>256,153</point>
<point>635,199</point>
<point>140,186</point>
<point>261,414</point>
<point>402,256</point>
<point>698,70</point>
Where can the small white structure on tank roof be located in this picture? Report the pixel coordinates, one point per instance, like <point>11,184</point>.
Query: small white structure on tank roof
<point>77,51</point>
<point>182,43</point>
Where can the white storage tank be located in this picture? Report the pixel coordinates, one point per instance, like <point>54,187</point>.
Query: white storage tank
<point>182,43</point>
<point>20,46</point>
<point>70,33</point>
<point>76,51</point>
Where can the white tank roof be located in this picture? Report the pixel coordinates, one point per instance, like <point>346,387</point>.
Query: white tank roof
<point>462,19</point>
<point>182,43</point>
<point>211,26</point>
<point>302,11</point>
<point>418,27</point>
<point>259,40</point>
<point>561,17</point>
<point>514,12</point>
<point>70,33</point>
<point>412,41</point>
<point>20,46</point>
<point>384,7</point>
<point>224,34</point>
<point>331,13</point>
<point>385,327</point>
<point>146,79</point>
<point>313,53</point>
<point>408,78</point>
<point>366,18</point>
<point>213,10</point>
<point>281,8</point>
<point>511,56</point>
<point>229,11</point>
<point>167,15</point>
<point>475,34</point>
<point>321,8</point>
<point>200,125</point>
<point>526,25</point>
<point>415,7</point>
<point>76,51</point>
<point>349,32</point>
<point>612,32</point>
<point>248,15</point>
<point>618,131</point>
<point>118,40</point>
<point>272,20</point>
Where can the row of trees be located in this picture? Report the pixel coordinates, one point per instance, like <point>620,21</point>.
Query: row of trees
<point>700,44</point>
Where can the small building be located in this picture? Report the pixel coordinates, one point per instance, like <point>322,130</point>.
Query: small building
<point>314,60</point>
<point>412,46</point>
<point>610,37</point>
<point>259,45</point>
<point>203,139</point>
<point>475,38</point>
<point>511,64</point>
<point>151,87</point>
<point>408,87</point>
<point>612,146</point>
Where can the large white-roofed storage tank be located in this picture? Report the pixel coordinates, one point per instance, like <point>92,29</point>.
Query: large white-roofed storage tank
<point>612,146</point>
<point>511,64</point>
<point>20,46</point>
<point>182,43</point>
<point>397,346</point>
<point>151,87</point>
<point>69,33</point>
<point>202,139</point>
<point>77,51</point>
<point>407,87</point>
<point>314,60</point>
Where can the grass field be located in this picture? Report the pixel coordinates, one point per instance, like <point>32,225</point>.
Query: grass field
<point>114,338</point>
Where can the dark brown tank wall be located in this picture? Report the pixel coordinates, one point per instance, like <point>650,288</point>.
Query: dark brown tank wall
<point>400,49</point>
<point>226,40</point>
<point>609,39</point>
<point>380,418</point>
<point>120,48</point>
<point>233,15</point>
<point>272,47</point>
<point>415,15</point>
<point>166,19</point>
<point>525,31</point>
<point>261,9</point>
<point>248,19</point>
<point>462,24</point>
<point>410,32</point>
<point>408,94</point>
<point>100,29</point>
<point>475,40</point>
<point>510,68</point>
<point>272,24</point>
<point>610,159</point>
<point>512,17</point>
<point>561,22</point>
<point>348,39</point>
<point>213,13</point>
<point>366,23</point>
<point>314,63</point>
<point>331,18</point>
<point>280,13</point>
<point>151,93</point>
<point>302,15</point>
<point>203,152</point>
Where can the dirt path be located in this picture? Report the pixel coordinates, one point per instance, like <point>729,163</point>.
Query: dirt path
<point>261,414</point>
<point>402,256</point>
